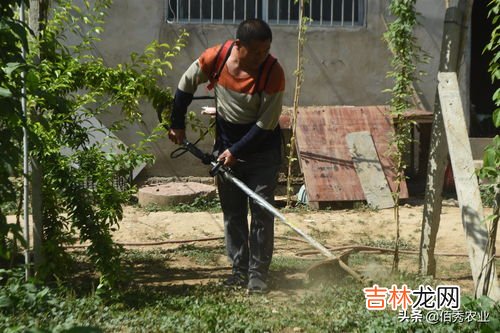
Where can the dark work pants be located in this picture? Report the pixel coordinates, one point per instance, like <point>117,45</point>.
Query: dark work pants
<point>250,252</point>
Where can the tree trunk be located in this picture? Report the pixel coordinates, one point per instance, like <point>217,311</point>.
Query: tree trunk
<point>37,18</point>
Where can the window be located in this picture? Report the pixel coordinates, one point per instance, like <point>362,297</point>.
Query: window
<point>346,13</point>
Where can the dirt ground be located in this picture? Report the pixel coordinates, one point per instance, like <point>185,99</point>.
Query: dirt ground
<point>333,228</point>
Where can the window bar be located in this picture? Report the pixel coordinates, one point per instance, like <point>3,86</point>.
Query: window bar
<point>177,12</point>
<point>222,16</point>
<point>310,11</point>
<point>361,13</point>
<point>321,12</point>
<point>278,12</point>
<point>234,11</point>
<point>265,10</point>
<point>189,10</point>
<point>212,11</point>
<point>352,14</point>
<point>331,13</point>
<point>201,13</point>
<point>342,16</point>
<point>289,11</point>
<point>245,10</point>
<point>256,8</point>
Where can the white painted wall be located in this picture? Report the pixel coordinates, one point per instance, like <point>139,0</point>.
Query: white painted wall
<point>343,66</point>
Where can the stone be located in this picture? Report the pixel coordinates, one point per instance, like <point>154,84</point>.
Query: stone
<point>175,193</point>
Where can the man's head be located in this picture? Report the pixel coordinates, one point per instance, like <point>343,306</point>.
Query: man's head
<point>254,29</point>
<point>253,41</point>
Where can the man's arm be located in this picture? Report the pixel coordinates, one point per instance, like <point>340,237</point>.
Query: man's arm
<point>181,102</point>
<point>182,99</point>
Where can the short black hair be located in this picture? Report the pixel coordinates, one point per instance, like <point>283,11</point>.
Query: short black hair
<point>254,29</point>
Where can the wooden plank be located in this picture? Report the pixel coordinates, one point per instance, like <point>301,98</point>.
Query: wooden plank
<point>325,159</point>
<point>466,183</point>
<point>369,170</point>
<point>438,150</point>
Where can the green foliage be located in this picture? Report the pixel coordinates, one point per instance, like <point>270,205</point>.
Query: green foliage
<point>17,294</point>
<point>201,255</point>
<point>406,55</point>
<point>13,36</point>
<point>163,307</point>
<point>199,126</point>
<point>211,308</point>
<point>67,85</point>
<point>490,171</point>
<point>199,204</point>
<point>289,264</point>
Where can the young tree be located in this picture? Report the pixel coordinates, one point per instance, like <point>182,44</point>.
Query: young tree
<point>13,36</point>
<point>66,85</point>
<point>406,55</point>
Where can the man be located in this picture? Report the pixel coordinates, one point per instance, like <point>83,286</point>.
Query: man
<point>249,92</point>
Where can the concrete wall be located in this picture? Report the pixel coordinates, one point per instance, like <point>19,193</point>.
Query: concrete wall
<point>343,66</point>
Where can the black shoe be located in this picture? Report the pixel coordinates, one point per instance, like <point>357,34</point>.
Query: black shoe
<point>236,280</point>
<point>257,286</point>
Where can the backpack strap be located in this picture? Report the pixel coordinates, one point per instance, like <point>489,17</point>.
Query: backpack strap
<point>220,60</point>
<point>265,73</point>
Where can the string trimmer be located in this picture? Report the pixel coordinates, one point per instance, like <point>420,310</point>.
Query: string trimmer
<point>219,169</point>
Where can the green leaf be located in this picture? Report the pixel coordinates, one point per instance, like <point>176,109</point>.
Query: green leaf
<point>4,92</point>
<point>5,301</point>
<point>19,31</point>
<point>489,157</point>
<point>11,67</point>
<point>496,118</point>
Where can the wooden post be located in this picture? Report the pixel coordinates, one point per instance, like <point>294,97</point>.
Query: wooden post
<point>438,151</point>
<point>467,185</point>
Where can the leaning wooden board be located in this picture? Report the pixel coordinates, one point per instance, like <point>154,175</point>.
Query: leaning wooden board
<point>325,159</point>
<point>369,170</point>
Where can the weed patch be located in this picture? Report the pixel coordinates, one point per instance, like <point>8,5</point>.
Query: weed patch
<point>200,204</point>
<point>289,264</point>
<point>201,255</point>
<point>211,308</point>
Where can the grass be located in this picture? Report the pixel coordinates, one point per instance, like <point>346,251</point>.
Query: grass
<point>361,259</point>
<point>320,235</point>
<point>201,255</point>
<point>157,306</point>
<point>298,208</point>
<point>289,264</point>
<point>361,206</point>
<point>389,244</point>
<point>211,308</point>
<point>133,256</point>
<point>200,204</point>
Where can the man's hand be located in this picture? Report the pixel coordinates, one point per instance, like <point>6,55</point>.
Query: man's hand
<point>228,158</point>
<point>177,135</point>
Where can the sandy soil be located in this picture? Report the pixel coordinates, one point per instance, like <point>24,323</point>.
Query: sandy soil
<point>332,228</point>
<point>173,265</point>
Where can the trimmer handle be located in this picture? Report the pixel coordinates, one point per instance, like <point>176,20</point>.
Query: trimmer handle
<point>216,168</point>
<point>204,157</point>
